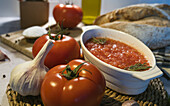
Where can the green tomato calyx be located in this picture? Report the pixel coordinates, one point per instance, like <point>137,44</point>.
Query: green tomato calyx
<point>71,74</point>
<point>61,31</point>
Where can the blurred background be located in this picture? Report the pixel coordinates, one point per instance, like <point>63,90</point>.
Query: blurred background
<point>10,8</point>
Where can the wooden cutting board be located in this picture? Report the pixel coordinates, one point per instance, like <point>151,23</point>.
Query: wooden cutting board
<point>17,41</point>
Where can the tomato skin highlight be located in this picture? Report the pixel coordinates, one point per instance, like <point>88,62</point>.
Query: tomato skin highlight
<point>68,15</point>
<point>85,90</point>
<point>62,52</point>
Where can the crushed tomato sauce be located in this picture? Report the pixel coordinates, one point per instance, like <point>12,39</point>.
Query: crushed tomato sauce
<point>116,53</point>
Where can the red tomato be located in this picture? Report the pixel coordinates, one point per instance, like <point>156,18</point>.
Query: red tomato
<point>70,15</point>
<point>87,89</point>
<point>62,52</point>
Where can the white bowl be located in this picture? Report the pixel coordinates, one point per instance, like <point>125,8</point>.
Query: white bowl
<point>120,80</point>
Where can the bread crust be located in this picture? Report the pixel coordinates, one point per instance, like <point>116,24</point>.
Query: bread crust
<point>134,13</point>
<point>148,23</point>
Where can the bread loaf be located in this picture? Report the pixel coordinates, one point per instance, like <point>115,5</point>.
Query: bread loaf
<point>148,22</point>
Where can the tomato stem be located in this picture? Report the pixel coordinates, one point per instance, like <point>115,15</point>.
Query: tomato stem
<point>70,74</point>
<point>49,32</point>
<point>61,30</point>
<point>61,33</point>
<point>68,3</point>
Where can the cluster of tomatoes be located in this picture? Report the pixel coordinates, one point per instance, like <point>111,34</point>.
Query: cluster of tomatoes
<point>70,80</point>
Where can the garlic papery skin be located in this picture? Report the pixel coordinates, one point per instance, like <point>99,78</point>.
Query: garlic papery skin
<point>26,78</point>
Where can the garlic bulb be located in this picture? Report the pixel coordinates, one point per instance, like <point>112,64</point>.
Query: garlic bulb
<point>26,78</point>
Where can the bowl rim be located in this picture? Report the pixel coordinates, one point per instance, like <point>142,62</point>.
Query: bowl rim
<point>108,65</point>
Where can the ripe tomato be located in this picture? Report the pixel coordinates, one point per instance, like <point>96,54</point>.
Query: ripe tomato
<point>63,51</point>
<point>70,15</point>
<point>86,89</point>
